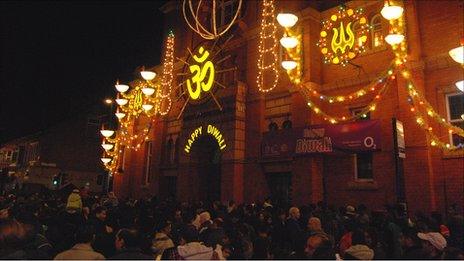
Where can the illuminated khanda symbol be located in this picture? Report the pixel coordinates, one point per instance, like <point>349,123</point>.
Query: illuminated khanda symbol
<point>200,72</point>
<point>340,42</point>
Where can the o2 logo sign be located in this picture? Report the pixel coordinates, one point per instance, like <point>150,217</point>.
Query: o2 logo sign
<point>369,143</point>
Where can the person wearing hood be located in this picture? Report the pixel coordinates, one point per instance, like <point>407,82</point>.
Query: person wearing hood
<point>359,249</point>
<point>192,249</point>
<point>74,201</point>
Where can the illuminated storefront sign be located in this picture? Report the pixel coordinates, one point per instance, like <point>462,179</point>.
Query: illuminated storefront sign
<point>202,75</point>
<point>210,130</point>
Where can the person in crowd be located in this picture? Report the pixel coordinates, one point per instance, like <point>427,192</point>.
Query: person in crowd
<point>359,249</point>
<point>453,253</point>
<point>295,233</point>
<point>262,244</point>
<point>411,244</point>
<point>433,244</point>
<point>192,249</point>
<point>74,202</point>
<point>83,248</point>
<point>127,244</point>
<point>162,241</point>
<point>104,239</point>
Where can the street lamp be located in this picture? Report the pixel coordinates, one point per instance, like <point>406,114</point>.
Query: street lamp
<point>391,12</point>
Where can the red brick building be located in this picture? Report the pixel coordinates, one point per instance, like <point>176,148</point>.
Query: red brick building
<point>433,179</point>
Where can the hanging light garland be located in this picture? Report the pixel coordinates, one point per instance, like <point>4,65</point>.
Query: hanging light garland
<point>168,75</point>
<point>197,26</point>
<point>267,37</point>
<point>421,108</point>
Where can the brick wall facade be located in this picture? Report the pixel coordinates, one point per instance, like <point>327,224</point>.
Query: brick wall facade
<point>431,176</point>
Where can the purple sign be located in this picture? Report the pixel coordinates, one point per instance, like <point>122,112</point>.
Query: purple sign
<point>353,137</point>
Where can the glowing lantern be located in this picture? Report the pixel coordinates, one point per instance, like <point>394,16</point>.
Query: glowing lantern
<point>289,65</point>
<point>393,39</point>
<point>391,12</point>
<point>287,19</point>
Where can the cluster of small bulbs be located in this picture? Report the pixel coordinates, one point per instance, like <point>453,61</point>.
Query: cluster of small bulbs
<point>291,41</point>
<point>134,100</point>
<point>267,36</point>
<point>199,28</point>
<point>372,106</point>
<point>353,95</point>
<point>361,36</point>
<point>418,104</point>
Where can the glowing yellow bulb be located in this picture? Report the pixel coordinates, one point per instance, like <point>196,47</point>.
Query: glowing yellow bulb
<point>433,143</point>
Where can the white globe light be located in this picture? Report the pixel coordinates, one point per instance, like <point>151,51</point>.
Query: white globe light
<point>289,42</point>
<point>147,107</point>
<point>122,87</point>
<point>393,39</point>
<point>107,133</point>
<point>289,65</point>
<point>391,12</point>
<point>148,75</point>
<point>121,102</point>
<point>287,19</point>
<point>457,54</point>
<point>460,85</point>
<point>106,160</point>
<point>148,91</point>
<point>107,146</point>
<point>120,115</point>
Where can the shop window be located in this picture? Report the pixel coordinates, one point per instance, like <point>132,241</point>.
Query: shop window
<point>148,160</point>
<point>273,126</point>
<point>455,109</point>
<point>363,161</point>
<point>377,32</point>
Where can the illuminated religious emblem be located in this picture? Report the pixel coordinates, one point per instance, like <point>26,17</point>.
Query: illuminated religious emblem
<point>202,75</point>
<point>346,42</point>
<point>138,100</point>
<point>210,130</point>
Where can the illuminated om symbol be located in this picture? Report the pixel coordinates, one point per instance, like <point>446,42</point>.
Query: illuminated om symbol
<point>138,100</point>
<point>200,75</point>
<point>341,42</point>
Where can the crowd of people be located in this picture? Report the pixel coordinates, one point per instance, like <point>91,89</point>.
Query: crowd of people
<point>85,226</point>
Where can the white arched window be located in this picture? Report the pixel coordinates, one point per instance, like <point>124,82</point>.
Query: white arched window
<point>377,32</point>
<point>356,28</point>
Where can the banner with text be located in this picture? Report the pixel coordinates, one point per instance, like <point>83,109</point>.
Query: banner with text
<point>362,136</point>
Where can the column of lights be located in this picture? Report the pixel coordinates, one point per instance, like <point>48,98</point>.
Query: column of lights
<point>416,99</point>
<point>266,35</point>
<point>168,73</point>
<point>291,41</point>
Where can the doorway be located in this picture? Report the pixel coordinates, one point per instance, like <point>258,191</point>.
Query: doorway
<point>206,155</point>
<point>280,187</point>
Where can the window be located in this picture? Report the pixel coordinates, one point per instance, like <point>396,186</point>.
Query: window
<point>148,157</point>
<point>14,158</point>
<point>363,161</point>
<point>287,124</point>
<point>168,152</point>
<point>377,32</point>
<point>273,126</point>
<point>455,109</point>
<point>176,151</point>
<point>356,28</point>
<point>227,10</point>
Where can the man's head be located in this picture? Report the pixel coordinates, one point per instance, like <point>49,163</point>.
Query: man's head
<point>100,213</point>
<point>294,213</point>
<point>409,238</point>
<point>314,224</point>
<point>432,242</point>
<point>165,227</point>
<point>127,238</point>
<point>85,234</point>
<point>189,234</point>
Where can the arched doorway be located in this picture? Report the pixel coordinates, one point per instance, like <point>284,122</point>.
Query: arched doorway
<point>206,157</point>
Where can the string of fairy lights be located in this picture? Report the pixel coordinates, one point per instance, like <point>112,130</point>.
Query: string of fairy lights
<point>267,58</point>
<point>336,53</point>
<point>148,97</point>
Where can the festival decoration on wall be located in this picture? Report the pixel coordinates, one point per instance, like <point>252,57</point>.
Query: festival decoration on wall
<point>291,42</point>
<point>210,130</point>
<point>201,76</point>
<point>267,48</point>
<point>343,36</point>
<point>146,97</point>
<point>192,16</point>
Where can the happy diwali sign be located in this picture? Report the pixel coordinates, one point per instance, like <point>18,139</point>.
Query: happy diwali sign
<point>210,130</point>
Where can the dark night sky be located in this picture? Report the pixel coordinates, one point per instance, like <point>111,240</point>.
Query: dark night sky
<point>62,58</point>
